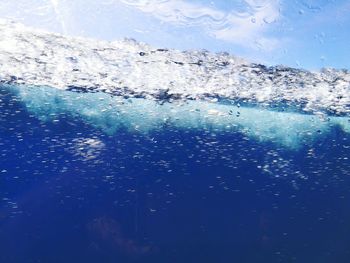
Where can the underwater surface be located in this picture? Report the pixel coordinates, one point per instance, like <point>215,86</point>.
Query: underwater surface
<point>119,152</point>
<point>79,184</point>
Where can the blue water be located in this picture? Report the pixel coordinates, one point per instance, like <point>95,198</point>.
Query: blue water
<point>70,192</point>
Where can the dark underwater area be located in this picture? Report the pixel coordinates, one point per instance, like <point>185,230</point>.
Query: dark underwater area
<point>73,193</point>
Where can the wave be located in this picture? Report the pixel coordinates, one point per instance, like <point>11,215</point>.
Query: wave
<point>130,85</point>
<point>137,70</point>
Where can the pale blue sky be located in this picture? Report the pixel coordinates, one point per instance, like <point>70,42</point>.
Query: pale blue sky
<point>300,33</point>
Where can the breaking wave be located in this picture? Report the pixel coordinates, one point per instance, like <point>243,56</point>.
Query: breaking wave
<point>133,86</point>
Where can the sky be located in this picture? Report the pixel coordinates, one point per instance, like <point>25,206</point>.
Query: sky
<point>309,34</point>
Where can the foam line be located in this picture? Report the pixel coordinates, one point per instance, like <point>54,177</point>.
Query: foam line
<point>33,57</point>
<point>112,113</point>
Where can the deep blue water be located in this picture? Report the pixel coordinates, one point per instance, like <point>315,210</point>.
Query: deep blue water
<point>171,195</point>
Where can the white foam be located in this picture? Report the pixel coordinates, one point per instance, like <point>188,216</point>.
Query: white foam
<point>35,57</point>
<point>112,113</point>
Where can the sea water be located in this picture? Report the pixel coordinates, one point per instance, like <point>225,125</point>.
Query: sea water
<point>94,177</point>
<point>122,152</point>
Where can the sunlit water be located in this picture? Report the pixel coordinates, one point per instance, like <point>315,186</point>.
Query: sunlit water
<point>124,152</point>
